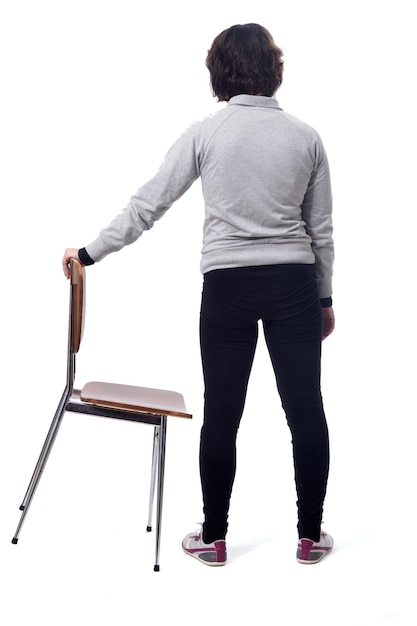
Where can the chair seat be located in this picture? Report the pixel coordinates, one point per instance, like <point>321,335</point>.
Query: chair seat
<point>133,398</point>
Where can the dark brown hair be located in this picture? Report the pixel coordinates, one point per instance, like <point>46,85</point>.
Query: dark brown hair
<point>244,59</point>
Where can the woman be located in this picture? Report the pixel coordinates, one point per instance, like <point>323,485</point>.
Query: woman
<point>267,255</point>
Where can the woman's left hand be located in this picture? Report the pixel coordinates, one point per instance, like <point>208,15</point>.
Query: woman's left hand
<point>70,253</point>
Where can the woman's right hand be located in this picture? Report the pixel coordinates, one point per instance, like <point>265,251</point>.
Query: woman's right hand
<point>328,321</point>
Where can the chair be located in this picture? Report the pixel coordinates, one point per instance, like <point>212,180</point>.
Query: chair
<point>125,402</point>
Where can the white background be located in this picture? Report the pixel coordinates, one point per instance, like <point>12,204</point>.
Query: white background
<point>93,93</point>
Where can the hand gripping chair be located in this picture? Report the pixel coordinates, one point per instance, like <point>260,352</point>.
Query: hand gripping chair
<point>125,402</point>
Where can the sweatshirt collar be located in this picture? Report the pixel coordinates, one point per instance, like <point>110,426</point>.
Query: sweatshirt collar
<point>257,101</point>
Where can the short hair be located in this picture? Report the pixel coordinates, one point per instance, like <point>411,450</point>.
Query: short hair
<point>244,59</point>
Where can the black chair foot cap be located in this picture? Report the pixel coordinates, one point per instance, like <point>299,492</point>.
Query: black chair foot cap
<point>148,529</point>
<point>14,540</point>
<point>156,568</point>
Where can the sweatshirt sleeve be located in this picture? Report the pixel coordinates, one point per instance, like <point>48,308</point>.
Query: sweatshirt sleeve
<point>317,215</point>
<point>176,174</point>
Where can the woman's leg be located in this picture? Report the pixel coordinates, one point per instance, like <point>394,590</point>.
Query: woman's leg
<point>228,340</point>
<point>294,343</point>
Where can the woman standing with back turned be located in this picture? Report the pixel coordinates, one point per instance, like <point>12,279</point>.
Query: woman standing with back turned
<point>267,255</point>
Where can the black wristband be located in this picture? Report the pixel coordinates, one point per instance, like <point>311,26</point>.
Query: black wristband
<point>326,302</point>
<point>84,257</point>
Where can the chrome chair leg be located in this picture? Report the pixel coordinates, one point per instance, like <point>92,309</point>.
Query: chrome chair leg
<point>155,454</point>
<point>161,472</point>
<point>40,465</point>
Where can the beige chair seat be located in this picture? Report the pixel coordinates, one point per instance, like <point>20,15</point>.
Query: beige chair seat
<point>132,398</point>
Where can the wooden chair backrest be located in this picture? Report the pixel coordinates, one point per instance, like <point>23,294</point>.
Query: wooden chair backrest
<point>77,303</point>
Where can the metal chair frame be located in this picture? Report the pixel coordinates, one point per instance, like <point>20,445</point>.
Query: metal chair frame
<point>125,402</point>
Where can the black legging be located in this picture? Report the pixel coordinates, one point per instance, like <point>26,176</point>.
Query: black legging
<point>285,298</point>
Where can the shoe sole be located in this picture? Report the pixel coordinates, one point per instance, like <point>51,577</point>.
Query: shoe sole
<point>210,563</point>
<point>313,561</point>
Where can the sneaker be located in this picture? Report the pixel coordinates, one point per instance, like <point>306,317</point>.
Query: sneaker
<point>309,551</point>
<point>208,553</point>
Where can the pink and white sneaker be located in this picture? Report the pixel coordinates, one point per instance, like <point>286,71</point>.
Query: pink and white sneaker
<point>310,552</point>
<point>209,553</point>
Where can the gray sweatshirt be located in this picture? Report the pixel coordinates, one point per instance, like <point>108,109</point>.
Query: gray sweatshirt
<point>266,188</point>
